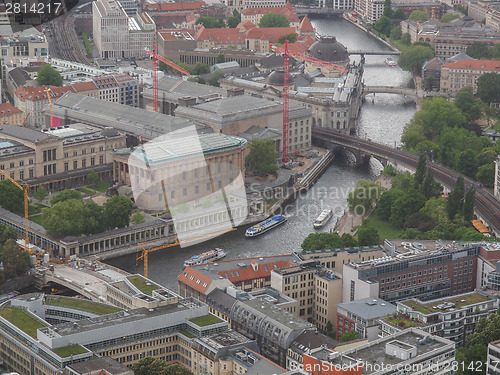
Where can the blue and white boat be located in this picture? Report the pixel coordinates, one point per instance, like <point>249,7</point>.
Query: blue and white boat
<point>265,225</point>
<point>206,257</point>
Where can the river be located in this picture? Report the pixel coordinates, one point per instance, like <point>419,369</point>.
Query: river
<point>383,121</point>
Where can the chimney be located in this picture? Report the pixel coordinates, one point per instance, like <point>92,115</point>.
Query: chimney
<point>187,101</point>
<point>255,265</point>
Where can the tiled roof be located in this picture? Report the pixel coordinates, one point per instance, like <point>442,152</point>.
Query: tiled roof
<point>306,25</point>
<point>434,63</point>
<point>488,65</point>
<point>38,93</point>
<point>301,45</point>
<point>220,35</point>
<point>8,109</point>
<point>246,24</point>
<point>248,273</point>
<point>195,279</point>
<point>175,7</point>
<point>270,33</point>
<point>83,86</point>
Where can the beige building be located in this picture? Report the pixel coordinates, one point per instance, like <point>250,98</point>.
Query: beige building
<point>369,10</point>
<point>461,73</point>
<point>117,35</point>
<point>317,291</point>
<point>10,115</point>
<point>24,46</point>
<point>46,157</point>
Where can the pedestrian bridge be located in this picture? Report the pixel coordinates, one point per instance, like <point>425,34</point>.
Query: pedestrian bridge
<point>415,94</point>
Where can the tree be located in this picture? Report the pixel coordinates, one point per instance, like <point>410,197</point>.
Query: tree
<point>329,327</point>
<point>200,68</point>
<point>262,156</point>
<point>211,22</point>
<point>450,17</point>
<point>11,197</point>
<point>95,222</point>
<point>478,50</point>
<point>274,20</point>
<point>388,12</point>
<point>292,38</point>
<point>467,103</point>
<point>486,174</point>
<point>364,196</point>
<point>177,369</point>
<point>467,163</point>
<point>48,75</point>
<point>430,188</point>
<point>7,233</point>
<point>487,155</point>
<point>396,33</point>
<point>406,205</point>
<point>368,236</point>
<point>149,366</point>
<point>384,25</point>
<point>399,14</point>
<point>419,15</point>
<point>420,221</point>
<point>349,336</point>
<point>41,193</point>
<point>488,87</point>
<point>414,57</point>
<point>167,68</point>
<point>16,262</point>
<point>214,81</point>
<point>386,201</point>
<point>137,218</point>
<point>321,241</point>
<point>65,195</point>
<point>221,58</point>
<point>406,39</point>
<point>233,21</point>
<point>419,175</point>
<point>348,240</point>
<point>199,80</point>
<point>117,211</point>
<point>488,111</point>
<point>65,218</point>
<point>456,199</point>
<point>92,177</point>
<point>469,205</point>
<point>429,83</point>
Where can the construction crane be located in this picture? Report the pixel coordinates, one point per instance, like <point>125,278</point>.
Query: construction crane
<point>286,59</point>
<point>144,253</point>
<point>155,58</point>
<point>48,91</point>
<point>25,189</point>
<point>24,121</point>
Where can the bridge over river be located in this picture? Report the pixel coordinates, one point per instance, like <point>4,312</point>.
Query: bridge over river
<point>486,206</point>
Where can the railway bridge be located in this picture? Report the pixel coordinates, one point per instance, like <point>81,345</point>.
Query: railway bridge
<point>486,206</point>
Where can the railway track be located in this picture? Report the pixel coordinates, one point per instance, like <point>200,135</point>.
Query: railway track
<point>66,44</point>
<point>485,204</point>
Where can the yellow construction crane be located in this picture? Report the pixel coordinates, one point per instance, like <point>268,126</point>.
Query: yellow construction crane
<point>25,189</point>
<point>48,91</point>
<point>143,254</point>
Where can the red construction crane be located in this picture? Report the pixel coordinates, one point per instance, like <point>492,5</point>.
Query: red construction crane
<point>157,57</point>
<point>286,58</point>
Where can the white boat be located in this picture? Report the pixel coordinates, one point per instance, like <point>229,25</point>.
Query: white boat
<point>265,225</point>
<point>323,218</point>
<point>206,257</point>
<point>389,61</point>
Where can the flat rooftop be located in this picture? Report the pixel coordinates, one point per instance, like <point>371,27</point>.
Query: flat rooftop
<point>81,304</point>
<point>26,322</point>
<point>447,304</point>
<point>224,339</point>
<point>368,308</point>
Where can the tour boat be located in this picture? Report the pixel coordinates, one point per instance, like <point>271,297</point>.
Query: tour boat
<point>323,218</point>
<point>206,257</point>
<point>389,61</point>
<point>265,225</point>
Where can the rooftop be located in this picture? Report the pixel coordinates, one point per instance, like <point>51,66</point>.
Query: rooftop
<point>26,322</point>
<point>146,286</point>
<point>95,364</point>
<point>446,304</point>
<point>206,320</point>
<point>81,304</point>
<point>8,109</point>
<point>26,134</point>
<point>368,308</point>
<point>488,65</point>
<point>224,339</point>
<point>69,350</point>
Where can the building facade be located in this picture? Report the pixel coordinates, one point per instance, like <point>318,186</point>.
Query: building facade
<point>456,75</point>
<point>24,46</point>
<point>10,115</point>
<point>369,10</point>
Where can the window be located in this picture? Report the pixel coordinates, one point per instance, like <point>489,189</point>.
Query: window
<point>66,166</point>
<point>184,191</point>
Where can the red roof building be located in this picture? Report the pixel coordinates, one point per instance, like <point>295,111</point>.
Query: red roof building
<point>188,6</point>
<point>465,72</point>
<point>255,14</point>
<point>305,27</point>
<point>10,115</point>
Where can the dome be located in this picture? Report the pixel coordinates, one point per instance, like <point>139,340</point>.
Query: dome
<point>328,49</point>
<point>109,132</point>
<point>276,78</point>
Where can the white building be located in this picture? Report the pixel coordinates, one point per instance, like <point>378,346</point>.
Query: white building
<point>117,35</point>
<point>493,361</point>
<point>370,10</point>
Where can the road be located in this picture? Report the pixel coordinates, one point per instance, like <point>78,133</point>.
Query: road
<point>64,42</point>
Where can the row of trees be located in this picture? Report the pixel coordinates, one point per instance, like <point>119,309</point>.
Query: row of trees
<point>69,216</point>
<point>317,241</point>
<point>268,20</point>
<point>446,130</point>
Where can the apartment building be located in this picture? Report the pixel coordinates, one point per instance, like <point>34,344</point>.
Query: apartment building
<point>10,115</point>
<point>414,350</point>
<point>24,46</point>
<point>317,291</point>
<point>118,35</point>
<point>461,73</point>
<point>254,14</point>
<point>260,318</point>
<point>453,318</point>
<point>369,10</point>
<point>32,345</point>
<point>493,358</point>
<point>45,157</point>
<point>122,89</point>
<point>363,316</point>
<point>425,270</point>
<point>245,274</point>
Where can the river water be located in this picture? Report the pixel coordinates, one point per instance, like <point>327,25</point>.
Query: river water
<point>382,121</point>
